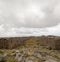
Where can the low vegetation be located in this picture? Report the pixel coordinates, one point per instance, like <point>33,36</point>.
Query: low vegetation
<point>29,52</point>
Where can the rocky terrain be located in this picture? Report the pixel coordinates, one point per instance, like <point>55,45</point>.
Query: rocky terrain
<point>30,51</point>
<point>33,49</point>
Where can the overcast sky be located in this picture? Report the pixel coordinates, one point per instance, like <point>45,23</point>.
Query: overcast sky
<point>28,16</point>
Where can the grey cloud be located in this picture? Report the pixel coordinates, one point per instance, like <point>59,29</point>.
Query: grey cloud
<point>18,13</point>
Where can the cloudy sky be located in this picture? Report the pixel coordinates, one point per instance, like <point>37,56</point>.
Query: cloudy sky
<point>29,17</point>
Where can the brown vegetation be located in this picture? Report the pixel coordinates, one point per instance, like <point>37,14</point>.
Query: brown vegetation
<point>12,42</point>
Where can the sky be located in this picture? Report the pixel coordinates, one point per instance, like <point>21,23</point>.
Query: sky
<point>29,17</point>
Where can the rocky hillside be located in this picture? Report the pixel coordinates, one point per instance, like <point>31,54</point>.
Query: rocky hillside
<point>30,49</point>
<point>30,52</point>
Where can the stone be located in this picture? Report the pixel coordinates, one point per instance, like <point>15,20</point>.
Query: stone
<point>2,58</point>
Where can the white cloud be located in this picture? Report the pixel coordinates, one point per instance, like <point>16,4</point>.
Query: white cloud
<point>55,30</point>
<point>26,17</point>
<point>30,13</point>
<point>57,11</point>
